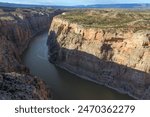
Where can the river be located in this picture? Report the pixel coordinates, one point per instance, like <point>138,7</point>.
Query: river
<point>63,84</point>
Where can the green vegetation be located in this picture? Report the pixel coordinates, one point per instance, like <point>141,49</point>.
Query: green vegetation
<point>109,18</point>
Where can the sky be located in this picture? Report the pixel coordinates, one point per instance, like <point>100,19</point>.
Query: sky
<point>73,2</point>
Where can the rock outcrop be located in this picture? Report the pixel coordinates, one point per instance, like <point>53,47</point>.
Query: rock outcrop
<point>116,57</point>
<point>22,86</point>
<point>17,28</point>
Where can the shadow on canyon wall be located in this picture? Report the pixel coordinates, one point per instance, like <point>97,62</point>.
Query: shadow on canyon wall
<point>120,77</point>
<point>16,32</point>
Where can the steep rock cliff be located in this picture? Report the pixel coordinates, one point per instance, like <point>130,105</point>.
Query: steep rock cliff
<point>116,57</point>
<point>17,28</point>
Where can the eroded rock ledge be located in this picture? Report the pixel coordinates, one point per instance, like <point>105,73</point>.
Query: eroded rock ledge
<point>116,57</point>
<point>22,86</point>
<point>17,28</point>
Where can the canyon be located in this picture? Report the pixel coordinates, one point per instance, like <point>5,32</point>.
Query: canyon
<point>108,47</point>
<point>17,28</point>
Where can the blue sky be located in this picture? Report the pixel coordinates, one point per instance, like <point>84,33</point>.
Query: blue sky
<point>74,2</point>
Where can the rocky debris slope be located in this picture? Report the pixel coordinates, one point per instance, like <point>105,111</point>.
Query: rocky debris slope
<point>116,57</point>
<point>17,28</point>
<point>22,86</point>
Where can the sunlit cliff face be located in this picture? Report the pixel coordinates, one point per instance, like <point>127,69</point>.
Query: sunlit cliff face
<point>115,54</point>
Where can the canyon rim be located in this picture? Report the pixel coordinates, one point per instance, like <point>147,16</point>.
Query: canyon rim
<point>109,47</point>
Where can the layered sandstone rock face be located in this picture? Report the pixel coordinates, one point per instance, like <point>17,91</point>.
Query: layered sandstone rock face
<point>17,28</point>
<point>115,56</point>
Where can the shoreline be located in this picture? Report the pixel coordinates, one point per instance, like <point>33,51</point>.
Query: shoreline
<point>88,79</point>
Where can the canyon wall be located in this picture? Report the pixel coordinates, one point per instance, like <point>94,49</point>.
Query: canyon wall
<point>117,58</point>
<point>17,28</point>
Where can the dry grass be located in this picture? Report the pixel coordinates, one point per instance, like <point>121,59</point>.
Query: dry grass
<point>110,18</point>
<point>6,18</point>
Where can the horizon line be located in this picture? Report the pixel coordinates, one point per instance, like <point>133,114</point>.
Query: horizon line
<point>38,4</point>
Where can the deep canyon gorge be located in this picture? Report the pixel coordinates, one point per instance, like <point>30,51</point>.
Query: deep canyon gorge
<point>109,47</point>
<point>17,27</point>
<point>63,84</point>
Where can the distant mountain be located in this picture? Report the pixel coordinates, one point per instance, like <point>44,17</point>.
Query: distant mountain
<point>19,5</point>
<point>80,6</point>
<point>107,6</point>
<point>118,6</point>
